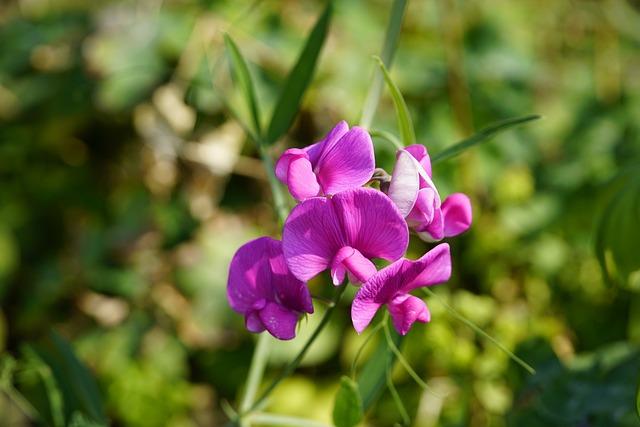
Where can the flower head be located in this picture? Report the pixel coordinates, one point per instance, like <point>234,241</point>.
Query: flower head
<point>343,233</point>
<point>392,284</point>
<point>417,198</point>
<point>262,289</point>
<point>342,160</point>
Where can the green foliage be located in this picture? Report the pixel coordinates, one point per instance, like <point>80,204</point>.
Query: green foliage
<point>403,117</point>
<point>372,376</point>
<point>299,78</point>
<point>347,409</point>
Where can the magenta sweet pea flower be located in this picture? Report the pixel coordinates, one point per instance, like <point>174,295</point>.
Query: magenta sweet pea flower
<point>392,284</point>
<point>262,289</point>
<point>343,233</point>
<point>342,160</point>
<point>417,198</point>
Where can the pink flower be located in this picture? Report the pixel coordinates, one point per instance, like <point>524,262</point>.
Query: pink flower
<point>342,160</point>
<point>343,233</point>
<point>417,198</point>
<point>262,289</point>
<point>392,284</point>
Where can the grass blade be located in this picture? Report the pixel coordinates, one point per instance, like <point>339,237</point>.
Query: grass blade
<point>299,78</point>
<point>241,75</point>
<point>407,134</point>
<point>482,136</point>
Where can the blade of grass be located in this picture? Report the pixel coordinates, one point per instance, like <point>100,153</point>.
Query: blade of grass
<point>299,78</point>
<point>482,136</point>
<point>240,72</point>
<point>407,134</point>
<point>406,420</point>
<point>388,50</point>
<point>479,331</point>
<point>387,136</point>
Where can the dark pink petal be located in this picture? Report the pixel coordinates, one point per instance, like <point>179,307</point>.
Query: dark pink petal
<point>371,223</point>
<point>432,268</point>
<point>346,163</point>
<point>405,183</point>
<point>350,260</point>
<point>424,209</point>
<point>432,231</point>
<point>249,274</point>
<point>253,323</point>
<point>311,237</point>
<point>290,292</point>
<point>316,150</point>
<point>280,322</point>
<point>301,180</point>
<point>419,152</point>
<point>405,310</point>
<point>456,212</point>
<point>282,165</point>
<point>362,313</point>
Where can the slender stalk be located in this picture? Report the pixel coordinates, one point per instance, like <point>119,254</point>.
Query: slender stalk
<point>288,370</point>
<point>258,363</point>
<point>388,49</point>
<point>279,202</point>
<point>284,420</point>
<point>406,420</point>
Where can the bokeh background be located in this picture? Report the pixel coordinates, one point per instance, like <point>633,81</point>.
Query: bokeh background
<point>126,187</point>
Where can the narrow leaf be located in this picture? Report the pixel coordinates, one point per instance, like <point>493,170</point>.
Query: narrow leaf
<point>396,398</point>
<point>347,409</point>
<point>372,378</point>
<point>482,136</point>
<point>638,400</point>
<point>242,77</point>
<point>407,134</point>
<point>299,78</point>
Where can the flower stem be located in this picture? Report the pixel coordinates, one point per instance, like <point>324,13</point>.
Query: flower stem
<point>288,370</point>
<point>276,189</point>
<point>258,363</point>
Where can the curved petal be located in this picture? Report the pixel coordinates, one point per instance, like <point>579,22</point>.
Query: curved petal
<point>406,309</point>
<point>301,180</point>
<point>432,268</point>
<point>311,237</point>
<point>291,292</point>
<point>280,322</point>
<point>253,323</point>
<point>362,313</point>
<point>424,209</point>
<point>419,152</point>
<point>347,163</point>
<point>316,150</point>
<point>282,165</point>
<point>249,277</point>
<point>457,215</point>
<point>352,261</point>
<point>371,223</point>
<point>405,183</point>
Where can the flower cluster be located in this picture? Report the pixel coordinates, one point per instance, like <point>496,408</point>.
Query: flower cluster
<point>341,226</point>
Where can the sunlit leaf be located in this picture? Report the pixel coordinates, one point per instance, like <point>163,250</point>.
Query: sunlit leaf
<point>241,75</point>
<point>347,409</point>
<point>372,377</point>
<point>407,134</point>
<point>482,136</point>
<point>299,78</point>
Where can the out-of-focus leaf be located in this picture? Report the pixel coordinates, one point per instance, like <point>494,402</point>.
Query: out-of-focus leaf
<point>482,136</point>
<point>372,377</point>
<point>407,134</point>
<point>618,234</point>
<point>347,409</point>
<point>78,388</point>
<point>241,75</point>
<point>299,79</point>
<point>79,420</point>
<point>638,400</point>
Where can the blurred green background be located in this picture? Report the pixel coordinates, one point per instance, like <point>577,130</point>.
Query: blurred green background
<point>126,188</point>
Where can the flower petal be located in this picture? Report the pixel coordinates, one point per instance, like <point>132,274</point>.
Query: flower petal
<point>456,212</point>
<point>291,292</point>
<point>301,180</point>
<point>371,223</point>
<point>253,323</point>
<point>350,260</point>
<point>282,165</point>
<point>346,163</point>
<point>419,152</point>
<point>311,237</point>
<point>362,313</point>
<point>280,322</point>
<point>249,275</point>
<point>424,209</point>
<point>405,182</point>
<point>315,151</point>
<point>432,268</point>
<point>406,309</point>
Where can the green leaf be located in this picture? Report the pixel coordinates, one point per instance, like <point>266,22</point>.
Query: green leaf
<point>482,136</point>
<point>299,78</point>
<point>407,134</point>
<point>638,400</point>
<point>372,378</point>
<point>347,409</point>
<point>242,77</point>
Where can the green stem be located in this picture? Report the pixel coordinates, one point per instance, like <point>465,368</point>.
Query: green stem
<point>388,49</point>
<point>276,188</point>
<point>284,420</point>
<point>291,367</point>
<point>258,364</point>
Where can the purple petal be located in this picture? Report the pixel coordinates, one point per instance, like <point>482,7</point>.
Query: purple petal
<point>405,182</point>
<point>371,223</point>
<point>456,212</point>
<point>311,237</point>
<point>282,165</point>
<point>406,309</point>
<point>346,163</point>
<point>362,312</point>
<point>253,323</point>
<point>316,150</point>
<point>280,322</point>
<point>419,152</point>
<point>301,180</point>
<point>424,208</point>
<point>291,292</point>
<point>250,275</point>
<point>350,260</point>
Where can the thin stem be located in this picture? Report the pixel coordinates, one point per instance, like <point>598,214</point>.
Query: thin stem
<point>388,49</point>
<point>354,364</point>
<point>406,420</point>
<point>258,364</point>
<point>291,367</point>
<point>479,331</point>
<point>276,188</point>
<point>284,420</point>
